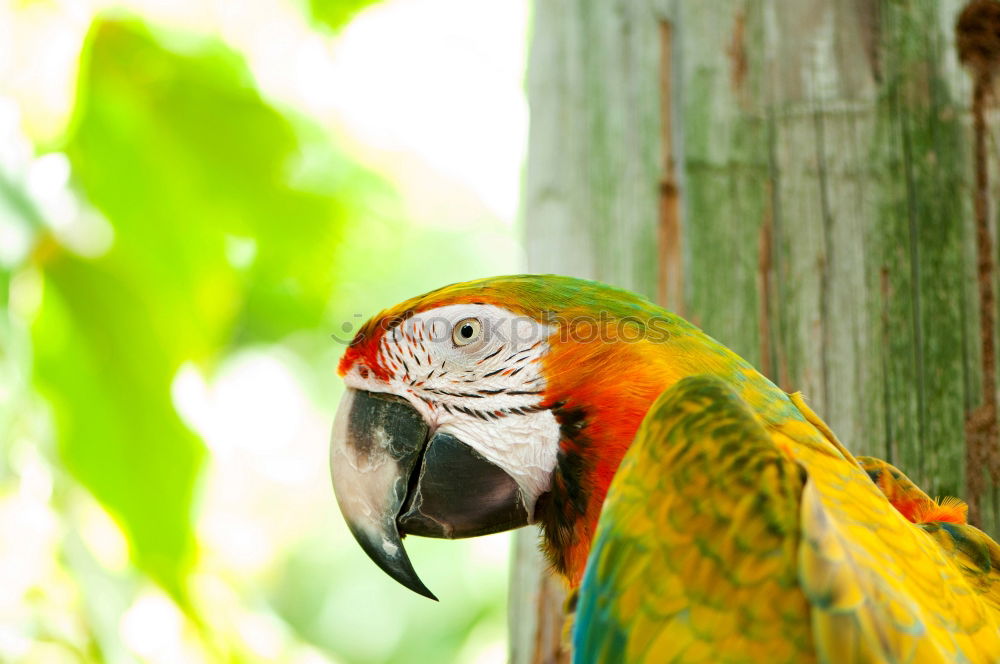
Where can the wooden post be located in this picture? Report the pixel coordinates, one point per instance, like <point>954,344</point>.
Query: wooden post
<point>796,177</point>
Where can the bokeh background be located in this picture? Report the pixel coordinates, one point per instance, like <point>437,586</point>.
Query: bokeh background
<point>199,202</point>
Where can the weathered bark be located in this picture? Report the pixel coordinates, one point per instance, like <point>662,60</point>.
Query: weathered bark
<point>796,177</point>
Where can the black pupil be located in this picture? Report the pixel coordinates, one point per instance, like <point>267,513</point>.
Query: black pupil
<point>466,331</point>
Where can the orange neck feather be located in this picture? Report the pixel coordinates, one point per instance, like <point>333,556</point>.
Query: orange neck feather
<point>600,392</point>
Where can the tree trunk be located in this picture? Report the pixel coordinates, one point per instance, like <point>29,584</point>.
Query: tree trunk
<point>797,178</point>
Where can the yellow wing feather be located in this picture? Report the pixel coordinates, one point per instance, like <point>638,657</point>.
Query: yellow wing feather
<point>726,540</point>
<point>695,554</point>
<point>917,599</point>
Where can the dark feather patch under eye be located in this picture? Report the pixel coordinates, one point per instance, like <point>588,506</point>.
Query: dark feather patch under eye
<point>567,500</point>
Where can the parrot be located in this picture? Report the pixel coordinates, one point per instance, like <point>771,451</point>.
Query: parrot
<point>695,511</point>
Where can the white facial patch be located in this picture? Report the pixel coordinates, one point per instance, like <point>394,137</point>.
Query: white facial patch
<point>474,371</point>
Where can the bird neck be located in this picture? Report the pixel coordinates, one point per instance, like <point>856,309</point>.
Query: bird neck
<point>599,402</point>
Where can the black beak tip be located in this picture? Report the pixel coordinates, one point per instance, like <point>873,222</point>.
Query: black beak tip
<point>421,589</point>
<point>396,564</point>
<point>413,582</point>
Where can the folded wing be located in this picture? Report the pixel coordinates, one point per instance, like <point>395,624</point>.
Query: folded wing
<point>725,540</point>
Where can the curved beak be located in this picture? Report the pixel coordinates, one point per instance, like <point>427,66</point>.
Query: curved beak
<point>392,478</point>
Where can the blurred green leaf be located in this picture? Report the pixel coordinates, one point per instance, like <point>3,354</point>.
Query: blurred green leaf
<point>336,13</point>
<point>213,247</point>
<point>106,369</point>
<point>193,168</point>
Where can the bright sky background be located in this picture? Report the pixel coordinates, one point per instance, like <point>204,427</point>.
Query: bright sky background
<point>417,83</point>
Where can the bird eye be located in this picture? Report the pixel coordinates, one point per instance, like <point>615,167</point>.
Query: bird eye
<point>466,331</point>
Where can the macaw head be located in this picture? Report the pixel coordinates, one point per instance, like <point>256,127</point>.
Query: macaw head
<point>489,405</point>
